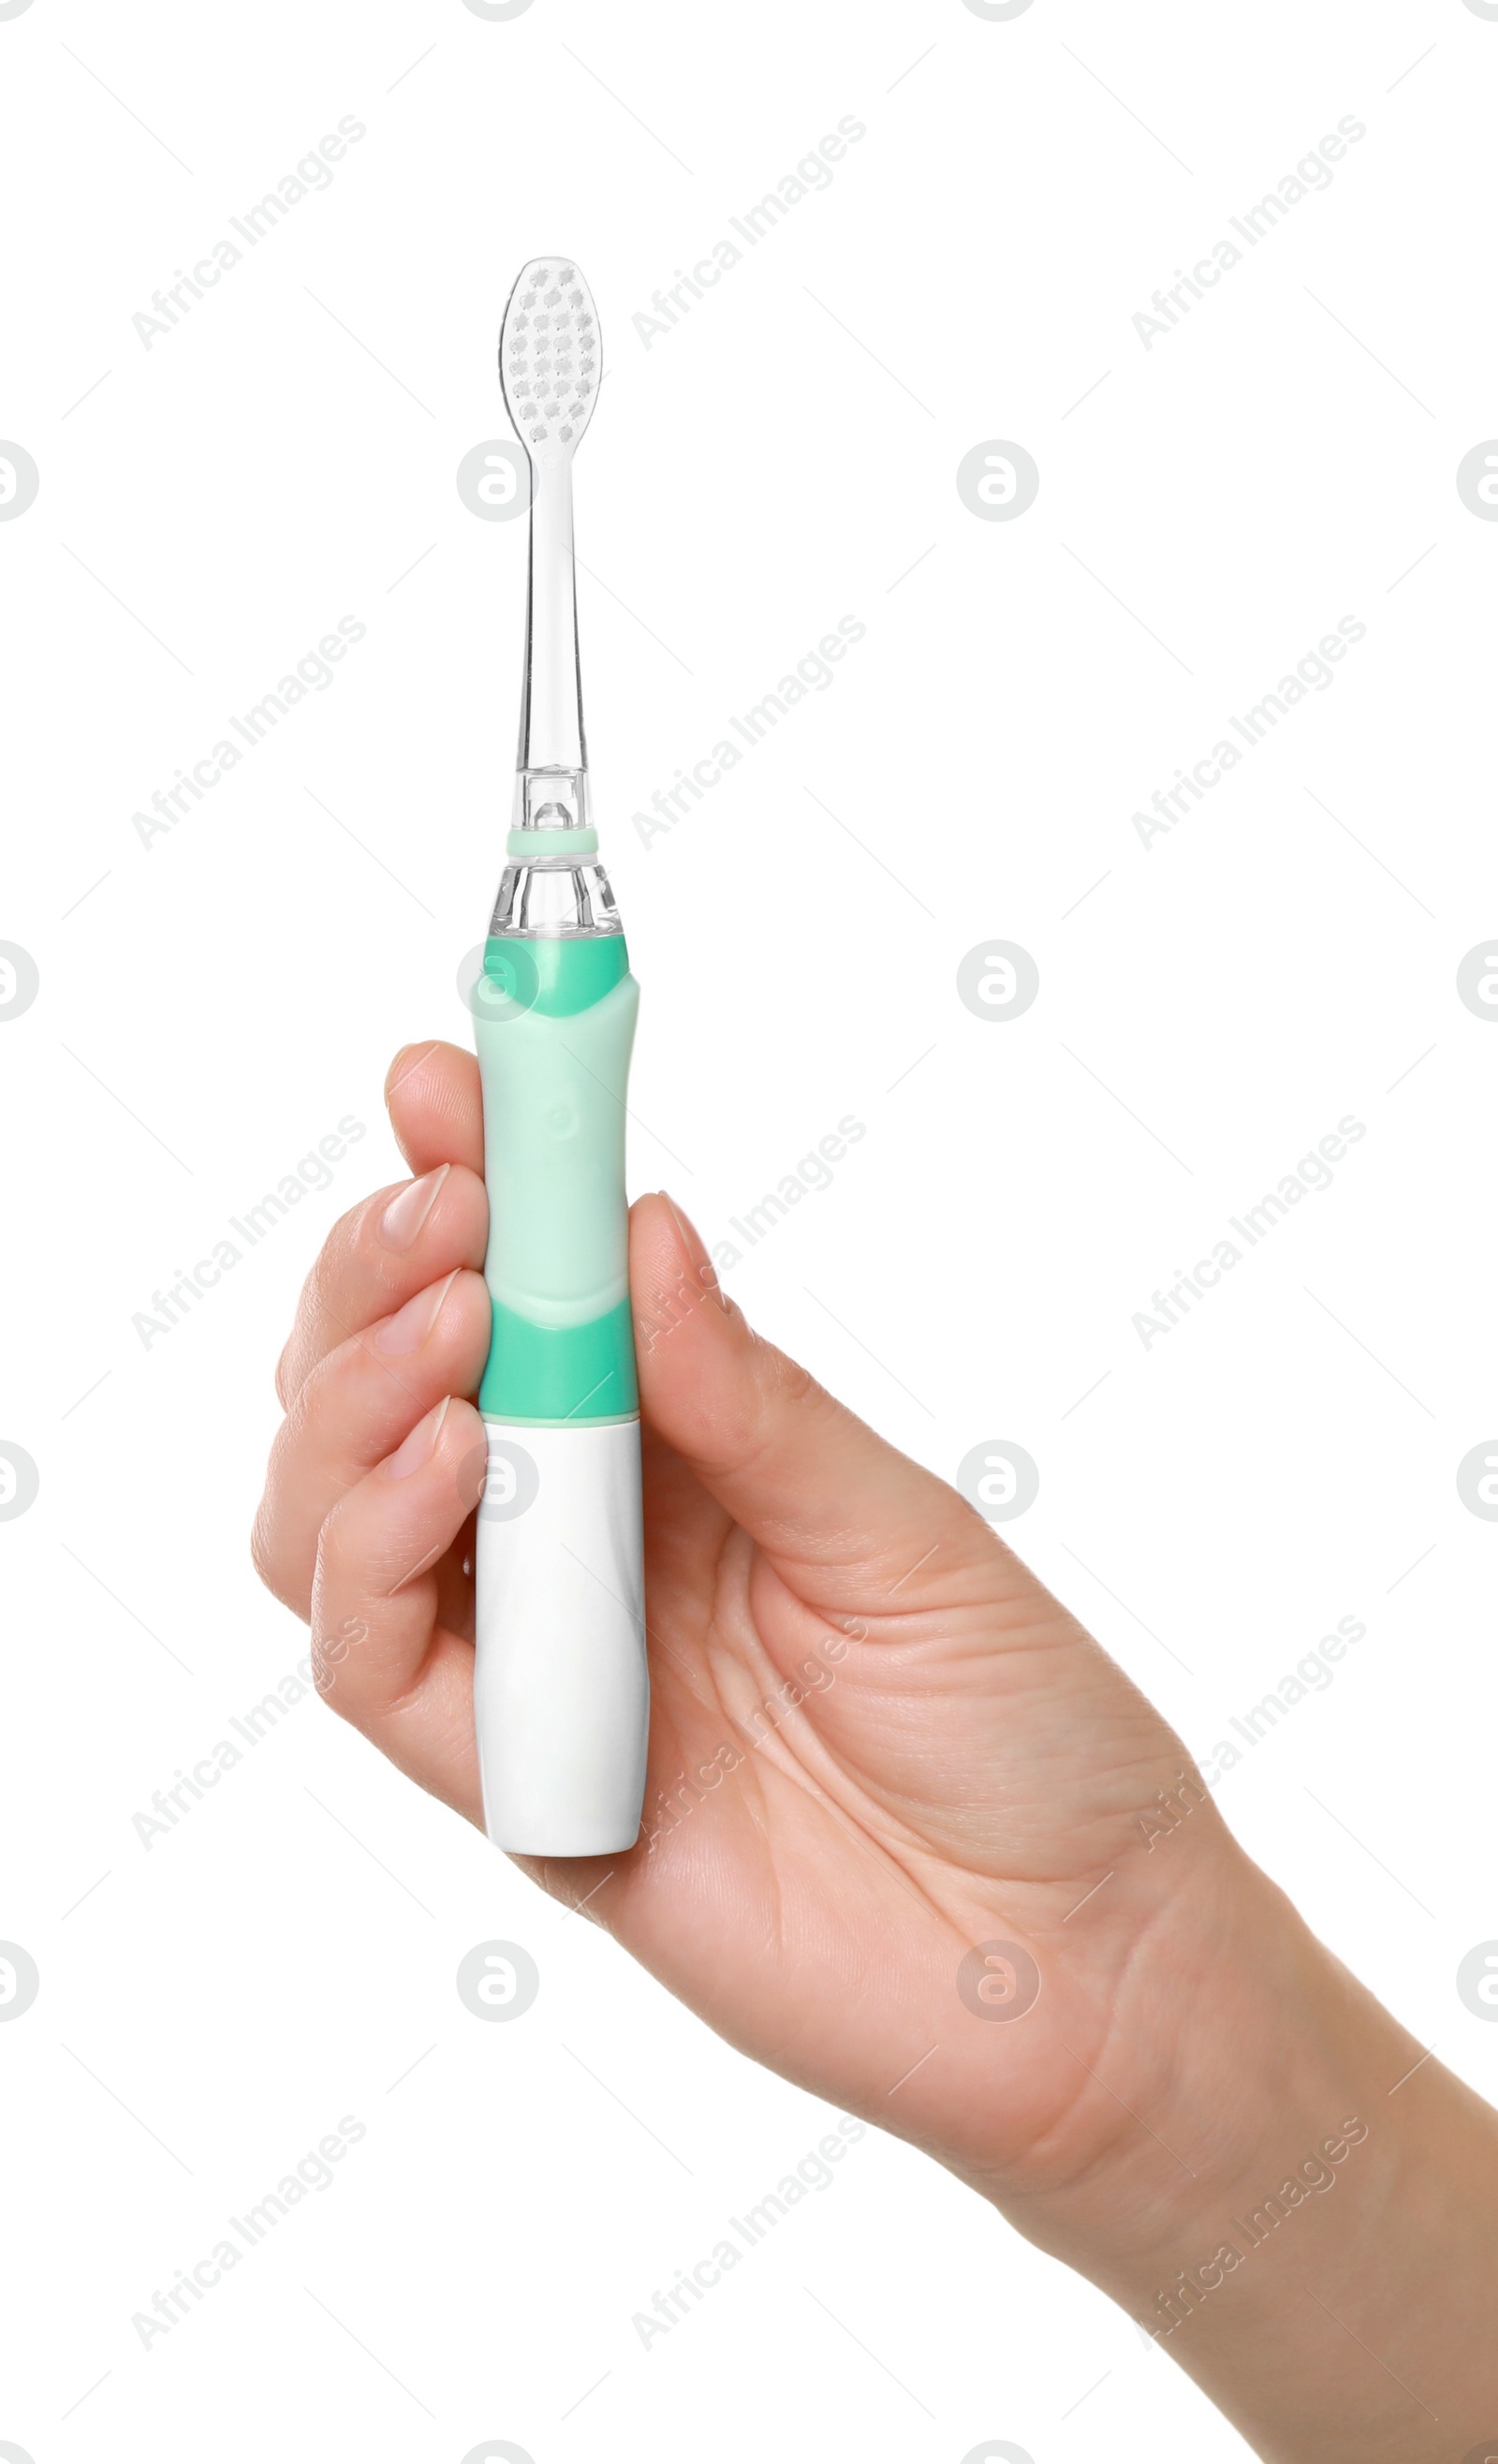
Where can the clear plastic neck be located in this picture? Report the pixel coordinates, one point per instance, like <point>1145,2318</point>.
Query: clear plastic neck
<point>556,898</point>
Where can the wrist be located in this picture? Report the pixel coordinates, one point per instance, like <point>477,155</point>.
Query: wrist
<point>1288,2113</point>
<point>1330,2199</point>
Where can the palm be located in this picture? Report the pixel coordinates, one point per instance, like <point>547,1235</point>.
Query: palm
<point>843,1804</point>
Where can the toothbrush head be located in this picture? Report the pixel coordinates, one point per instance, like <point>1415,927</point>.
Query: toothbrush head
<point>549,356</point>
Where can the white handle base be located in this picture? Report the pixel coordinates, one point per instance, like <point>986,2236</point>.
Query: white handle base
<point>561,1696</point>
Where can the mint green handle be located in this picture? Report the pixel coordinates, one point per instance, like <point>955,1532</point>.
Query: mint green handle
<point>554,1022</point>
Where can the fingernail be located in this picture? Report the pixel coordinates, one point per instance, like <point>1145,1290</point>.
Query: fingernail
<point>419,1447</point>
<point>408,1211</point>
<point>410,1057</point>
<point>409,1328</point>
<point>703,1271</point>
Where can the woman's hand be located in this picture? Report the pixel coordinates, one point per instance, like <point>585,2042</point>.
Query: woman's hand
<point>910,1837</point>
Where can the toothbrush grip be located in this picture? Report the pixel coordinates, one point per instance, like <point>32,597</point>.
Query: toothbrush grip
<point>561,1696</point>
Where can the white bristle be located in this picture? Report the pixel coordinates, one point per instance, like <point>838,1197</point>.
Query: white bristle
<point>550,355</point>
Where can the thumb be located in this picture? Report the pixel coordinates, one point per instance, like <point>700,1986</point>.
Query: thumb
<point>828,1500</point>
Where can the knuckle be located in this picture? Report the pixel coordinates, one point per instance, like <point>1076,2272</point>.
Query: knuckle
<point>341,1250</point>
<point>286,1384</point>
<point>782,1388</point>
<point>344,1237</point>
<point>330,1268</point>
<point>334,1639</point>
<point>264,1553</point>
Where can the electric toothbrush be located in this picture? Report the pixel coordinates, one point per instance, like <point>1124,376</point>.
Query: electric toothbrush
<point>560,1695</point>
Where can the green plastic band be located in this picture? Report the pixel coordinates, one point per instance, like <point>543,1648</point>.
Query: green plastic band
<point>531,843</point>
<point>575,1375</point>
<point>558,977</point>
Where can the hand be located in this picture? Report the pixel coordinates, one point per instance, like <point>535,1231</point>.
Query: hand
<point>877,1747</point>
<point>813,1870</point>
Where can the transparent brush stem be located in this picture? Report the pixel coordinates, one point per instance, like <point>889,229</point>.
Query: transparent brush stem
<point>551,760</point>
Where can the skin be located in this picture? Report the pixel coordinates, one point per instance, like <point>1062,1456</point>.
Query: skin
<point>877,1745</point>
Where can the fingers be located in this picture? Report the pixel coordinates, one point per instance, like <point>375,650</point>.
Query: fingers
<point>395,1244</point>
<point>380,1656</point>
<point>356,1408</point>
<point>376,1468</point>
<point>816,1489</point>
<point>432,1095</point>
<point>410,1235</point>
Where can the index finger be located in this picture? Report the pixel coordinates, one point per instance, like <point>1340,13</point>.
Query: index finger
<point>436,1111</point>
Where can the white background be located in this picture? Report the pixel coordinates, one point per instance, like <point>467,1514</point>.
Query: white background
<point>212,1004</point>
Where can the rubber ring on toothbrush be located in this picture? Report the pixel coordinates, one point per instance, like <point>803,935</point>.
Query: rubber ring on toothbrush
<point>531,844</point>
